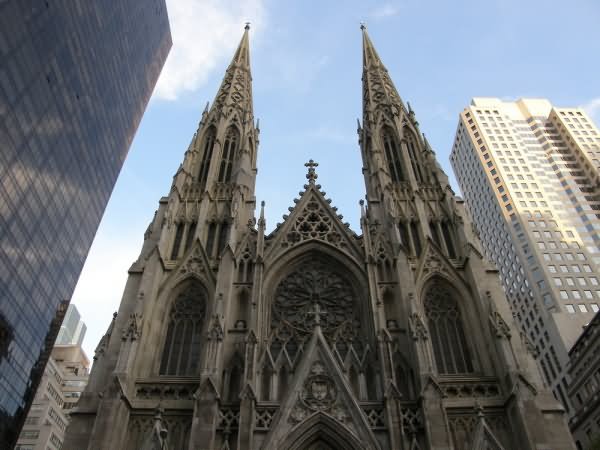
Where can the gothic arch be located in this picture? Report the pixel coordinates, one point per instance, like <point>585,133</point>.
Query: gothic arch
<point>392,152</point>
<point>229,152</point>
<point>321,429</point>
<point>182,334</point>
<point>413,147</point>
<point>448,325</point>
<point>338,261</point>
<point>208,141</point>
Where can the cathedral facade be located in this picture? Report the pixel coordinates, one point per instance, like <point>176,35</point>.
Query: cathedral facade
<point>313,336</point>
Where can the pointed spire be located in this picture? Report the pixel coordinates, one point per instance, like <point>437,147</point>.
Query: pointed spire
<point>370,56</point>
<point>379,90</point>
<point>242,54</point>
<point>236,87</point>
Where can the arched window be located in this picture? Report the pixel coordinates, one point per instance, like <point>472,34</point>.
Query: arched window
<point>416,237</point>
<point>209,143</point>
<point>415,161</point>
<point>181,353</point>
<point>448,238</point>
<point>446,329</point>
<point>210,238</point>
<point>189,240</point>
<point>229,150</point>
<point>392,155</point>
<point>435,234</point>
<point>177,240</point>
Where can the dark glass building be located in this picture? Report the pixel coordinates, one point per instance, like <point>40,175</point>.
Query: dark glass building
<point>75,78</point>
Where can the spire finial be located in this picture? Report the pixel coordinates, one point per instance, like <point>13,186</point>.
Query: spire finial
<point>363,26</point>
<point>311,176</point>
<point>247,27</point>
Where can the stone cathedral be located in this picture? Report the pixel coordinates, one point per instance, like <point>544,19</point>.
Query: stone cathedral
<point>313,336</point>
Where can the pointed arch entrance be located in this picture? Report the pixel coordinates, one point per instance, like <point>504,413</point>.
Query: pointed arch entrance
<point>321,432</point>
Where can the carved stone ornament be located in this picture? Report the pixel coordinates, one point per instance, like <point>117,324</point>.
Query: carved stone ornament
<point>215,333</point>
<point>499,326</point>
<point>434,264</point>
<point>194,264</point>
<point>418,329</point>
<point>315,283</point>
<point>318,393</point>
<point>133,330</point>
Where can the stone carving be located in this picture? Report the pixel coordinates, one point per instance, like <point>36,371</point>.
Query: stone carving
<point>314,222</point>
<point>418,330</point>
<point>194,264</point>
<point>229,418</point>
<point>499,326</point>
<point>434,264</point>
<point>470,389</point>
<point>141,426</point>
<point>529,345</point>
<point>375,417</point>
<point>215,333</point>
<point>263,417</point>
<point>103,344</point>
<point>133,329</point>
<point>318,393</point>
<point>166,391</point>
<point>314,283</point>
<point>411,417</point>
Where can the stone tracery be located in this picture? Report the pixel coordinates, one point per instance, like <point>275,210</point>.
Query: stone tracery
<point>314,283</point>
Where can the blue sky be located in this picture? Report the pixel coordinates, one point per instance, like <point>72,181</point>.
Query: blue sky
<point>306,65</point>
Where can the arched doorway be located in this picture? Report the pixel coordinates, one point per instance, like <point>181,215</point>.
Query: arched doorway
<point>321,432</point>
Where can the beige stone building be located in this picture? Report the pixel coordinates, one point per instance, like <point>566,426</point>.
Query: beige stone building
<point>529,175</point>
<point>584,388</point>
<point>313,336</point>
<point>64,379</point>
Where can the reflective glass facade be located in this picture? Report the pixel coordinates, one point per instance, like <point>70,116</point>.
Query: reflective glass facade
<point>75,78</point>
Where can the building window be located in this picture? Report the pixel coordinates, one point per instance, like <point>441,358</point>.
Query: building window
<point>209,143</point>
<point>190,235</point>
<point>228,156</point>
<point>413,156</point>
<point>392,155</point>
<point>446,329</point>
<point>181,352</point>
<point>177,240</point>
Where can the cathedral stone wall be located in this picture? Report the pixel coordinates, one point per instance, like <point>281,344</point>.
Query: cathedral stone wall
<point>313,336</point>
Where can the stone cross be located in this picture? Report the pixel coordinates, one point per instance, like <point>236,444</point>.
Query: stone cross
<point>317,312</point>
<point>311,175</point>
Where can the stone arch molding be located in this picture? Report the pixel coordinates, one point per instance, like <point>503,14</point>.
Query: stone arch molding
<point>321,431</point>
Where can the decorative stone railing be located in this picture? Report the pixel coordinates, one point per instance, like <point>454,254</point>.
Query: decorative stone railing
<point>470,388</point>
<point>166,390</point>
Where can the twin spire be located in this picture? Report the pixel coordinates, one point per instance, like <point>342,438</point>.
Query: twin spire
<point>236,87</point>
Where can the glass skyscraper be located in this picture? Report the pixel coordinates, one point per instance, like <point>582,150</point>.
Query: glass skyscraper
<point>75,78</point>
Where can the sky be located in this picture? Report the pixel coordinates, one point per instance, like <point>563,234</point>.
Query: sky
<point>306,62</point>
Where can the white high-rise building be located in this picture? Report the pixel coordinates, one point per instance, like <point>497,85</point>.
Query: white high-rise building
<point>529,174</point>
<point>72,331</point>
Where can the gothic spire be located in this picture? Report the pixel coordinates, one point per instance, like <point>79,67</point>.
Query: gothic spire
<point>235,91</point>
<point>378,89</point>
<point>370,56</point>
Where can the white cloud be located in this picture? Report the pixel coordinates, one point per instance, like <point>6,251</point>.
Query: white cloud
<point>593,109</point>
<point>100,287</point>
<point>386,10</point>
<point>204,34</point>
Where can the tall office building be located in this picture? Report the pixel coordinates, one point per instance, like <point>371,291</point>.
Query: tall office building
<point>75,78</point>
<point>529,175</point>
<point>64,379</point>
<point>312,336</point>
<point>72,331</point>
